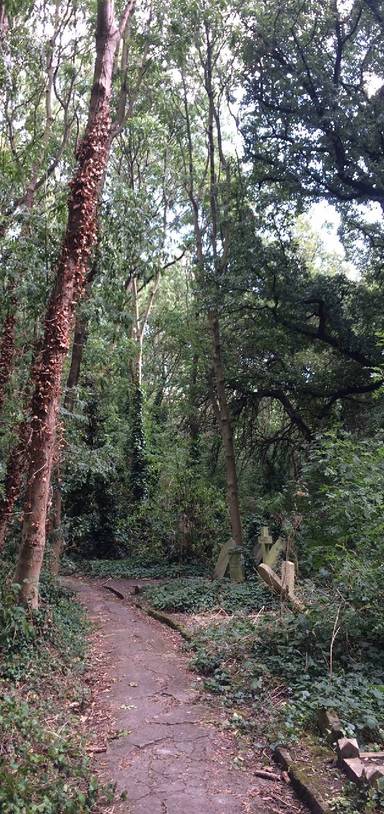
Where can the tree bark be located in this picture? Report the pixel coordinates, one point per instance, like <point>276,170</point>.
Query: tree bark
<point>13,478</point>
<point>225,424</point>
<point>7,349</point>
<point>79,241</point>
<point>55,530</point>
<point>221,405</point>
<point>4,23</point>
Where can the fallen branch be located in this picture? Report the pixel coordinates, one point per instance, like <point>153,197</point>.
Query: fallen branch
<point>166,620</point>
<point>267,775</point>
<point>114,591</point>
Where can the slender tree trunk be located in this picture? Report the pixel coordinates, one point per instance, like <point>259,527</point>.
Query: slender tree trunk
<point>13,478</point>
<point>79,241</point>
<point>193,417</point>
<point>221,407</point>
<point>225,424</point>
<point>55,529</point>
<point>4,23</point>
<point>7,349</point>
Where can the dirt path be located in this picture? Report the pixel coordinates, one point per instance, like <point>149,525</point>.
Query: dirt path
<point>168,754</point>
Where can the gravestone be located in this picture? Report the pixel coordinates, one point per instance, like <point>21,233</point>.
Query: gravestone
<point>236,567</point>
<point>288,577</point>
<point>266,551</point>
<point>230,557</point>
<point>223,560</point>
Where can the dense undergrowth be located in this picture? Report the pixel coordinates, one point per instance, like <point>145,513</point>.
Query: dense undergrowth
<point>330,656</point>
<point>200,595</point>
<point>136,568</point>
<point>44,768</point>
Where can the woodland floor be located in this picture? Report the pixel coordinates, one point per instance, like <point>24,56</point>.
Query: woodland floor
<point>153,732</point>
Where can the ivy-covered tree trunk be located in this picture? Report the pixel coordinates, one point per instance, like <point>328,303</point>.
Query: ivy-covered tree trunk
<point>7,349</point>
<point>79,241</point>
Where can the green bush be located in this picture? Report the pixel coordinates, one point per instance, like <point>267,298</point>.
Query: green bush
<point>293,653</point>
<point>43,764</point>
<point>344,507</point>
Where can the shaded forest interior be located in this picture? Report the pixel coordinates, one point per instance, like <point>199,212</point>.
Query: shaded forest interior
<point>191,353</point>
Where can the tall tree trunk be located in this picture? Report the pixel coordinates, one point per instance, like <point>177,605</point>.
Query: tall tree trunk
<point>193,414</point>
<point>55,528</point>
<point>225,424</point>
<point>219,263</point>
<point>7,348</point>
<point>222,411</point>
<point>79,241</point>
<point>18,456</point>
<point>4,23</point>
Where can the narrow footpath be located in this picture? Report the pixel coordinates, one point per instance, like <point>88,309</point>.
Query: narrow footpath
<point>163,746</point>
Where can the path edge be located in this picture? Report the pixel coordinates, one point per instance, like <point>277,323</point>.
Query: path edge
<point>305,789</point>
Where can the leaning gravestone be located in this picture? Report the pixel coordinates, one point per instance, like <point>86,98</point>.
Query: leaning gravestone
<point>230,557</point>
<point>223,560</point>
<point>265,550</point>
<point>236,566</point>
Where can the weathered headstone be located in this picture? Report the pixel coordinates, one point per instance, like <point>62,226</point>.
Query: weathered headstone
<point>330,724</point>
<point>236,566</point>
<point>266,550</point>
<point>223,560</point>
<point>374,774</point>
<point>353,768</point>
<point>288,577</point>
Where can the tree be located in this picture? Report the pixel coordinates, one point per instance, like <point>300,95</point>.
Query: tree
<point>310,73</point>
<point>207,75</point>
<point>77,247</point>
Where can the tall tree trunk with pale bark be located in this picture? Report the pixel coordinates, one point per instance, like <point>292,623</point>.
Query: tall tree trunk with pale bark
<point>79,241</point>
<point>222,411</point>
<point>225,424</point>
<point>55,525</point>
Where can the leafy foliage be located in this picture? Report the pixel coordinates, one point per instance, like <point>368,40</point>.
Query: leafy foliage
<point>43,768</point>
<point>345,478</point>
<point>291,655</point>
<point>200,595</point>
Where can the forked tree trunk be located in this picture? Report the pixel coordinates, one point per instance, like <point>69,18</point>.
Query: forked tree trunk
<point>79,240</point>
